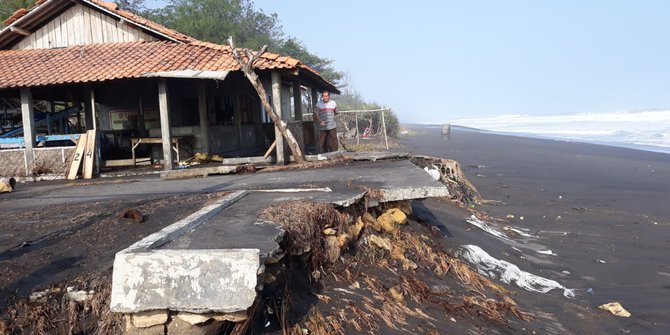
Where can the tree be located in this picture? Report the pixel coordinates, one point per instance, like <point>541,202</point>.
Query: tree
<point>215,20</point>
<point>135,6</point>
<point>296,49</point>
<point>8,7</point>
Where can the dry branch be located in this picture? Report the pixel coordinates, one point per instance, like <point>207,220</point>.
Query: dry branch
<point>248,69</point>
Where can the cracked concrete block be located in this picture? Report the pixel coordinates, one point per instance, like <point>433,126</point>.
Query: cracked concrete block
<point>185,280</point>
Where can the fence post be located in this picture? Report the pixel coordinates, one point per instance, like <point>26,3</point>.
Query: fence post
<point>384,125</point>
<point>358,137</point>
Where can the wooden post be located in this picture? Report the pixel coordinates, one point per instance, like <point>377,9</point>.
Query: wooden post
<point>317,133</point>
<point>384,125</point>
<point>202,113</point>
<point>28,117</point>
<point>297,101</point>
<point>276,105</point>
<point>166,136</point>
<point>358,137</point>
<point>94,113</point>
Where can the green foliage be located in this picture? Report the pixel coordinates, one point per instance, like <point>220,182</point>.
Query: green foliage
<point>8,7</point>
<point>216,20</point>
<point>135,6</point>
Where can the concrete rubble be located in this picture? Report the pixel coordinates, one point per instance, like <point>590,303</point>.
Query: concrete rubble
<point>207,269</point>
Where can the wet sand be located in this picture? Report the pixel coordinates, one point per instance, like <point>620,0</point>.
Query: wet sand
<point>604,211</point>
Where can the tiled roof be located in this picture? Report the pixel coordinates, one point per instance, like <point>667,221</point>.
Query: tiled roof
<point>101,62</point>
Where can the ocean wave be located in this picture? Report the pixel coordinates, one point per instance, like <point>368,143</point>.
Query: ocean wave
<point>647,128</point>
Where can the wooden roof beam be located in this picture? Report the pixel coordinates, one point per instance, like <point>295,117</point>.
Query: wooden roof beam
<point>19,31</point>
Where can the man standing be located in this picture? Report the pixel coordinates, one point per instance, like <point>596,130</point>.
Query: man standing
<point>324,114</point>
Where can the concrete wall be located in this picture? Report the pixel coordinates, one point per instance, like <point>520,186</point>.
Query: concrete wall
<point>48,161</point>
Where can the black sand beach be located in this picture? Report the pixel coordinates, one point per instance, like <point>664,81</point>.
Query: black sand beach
<point>602,210</point>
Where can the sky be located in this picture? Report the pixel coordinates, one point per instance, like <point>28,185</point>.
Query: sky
<point>436,61</point>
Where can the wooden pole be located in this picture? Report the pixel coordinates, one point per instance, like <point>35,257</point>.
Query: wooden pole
<point>358,138</point>
<point>28,118</point>
<point>317,133</point>
<point>166,136</point>
<point>276,105</point>
<point>384,125</point>
<point>94,116</point>
<point>247,68</point>
<point>297,101</point>
<point>202,114</point>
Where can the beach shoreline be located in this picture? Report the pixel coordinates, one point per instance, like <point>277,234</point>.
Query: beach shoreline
<point>600,209</point>
<point>624,145</point>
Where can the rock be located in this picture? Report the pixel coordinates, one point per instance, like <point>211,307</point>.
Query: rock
<point>398,253</point>
<point>149,318</point>
<point>380,242</point>
<point>399,217</point>
<point>193,318</point>
<point>7,184</point>
<point>386,223</point>
<point>397,294</point>
<point>342,240</point>
<point>407,264</point>
<point>332,249</point>
<point>405,207</point>
<point>133,214</point>
<point>355,229</point>
<point>198,319</point>
<point>390,219</point>
<point>329,231</point>
<point>232,317</point>
<point>180,327</point>
<point>78,296</point>
<point>152,330</point>
<point>371,222</point>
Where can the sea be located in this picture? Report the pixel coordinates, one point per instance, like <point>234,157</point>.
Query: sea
<point>643,130</point>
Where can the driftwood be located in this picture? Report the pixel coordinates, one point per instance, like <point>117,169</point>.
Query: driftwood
<point>248,69</point>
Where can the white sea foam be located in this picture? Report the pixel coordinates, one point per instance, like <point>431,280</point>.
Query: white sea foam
<point>644,128</point>
<point>509,273</point>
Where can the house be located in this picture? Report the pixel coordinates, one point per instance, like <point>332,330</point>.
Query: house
<point>76,65</point>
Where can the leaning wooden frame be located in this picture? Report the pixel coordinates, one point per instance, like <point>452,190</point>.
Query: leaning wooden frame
<point>347,119</point>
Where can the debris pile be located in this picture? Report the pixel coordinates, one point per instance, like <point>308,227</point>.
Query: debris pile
<point>449,173</point>
<point>371,270</point>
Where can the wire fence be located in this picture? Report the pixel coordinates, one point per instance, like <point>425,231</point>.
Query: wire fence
<point>367,127</point>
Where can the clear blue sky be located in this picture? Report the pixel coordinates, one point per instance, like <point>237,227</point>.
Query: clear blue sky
<point>435,61</point>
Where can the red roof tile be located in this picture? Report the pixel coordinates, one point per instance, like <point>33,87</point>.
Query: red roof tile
<point>100,62</point>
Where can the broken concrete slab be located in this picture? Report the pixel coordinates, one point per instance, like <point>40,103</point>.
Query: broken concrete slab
<point>378,175</point>
<point>185,280</point>
<point>258,160</point>
<point>198,172</point>
<point>209,261</point>
<point>190,222</point>
<point>374,156</point>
